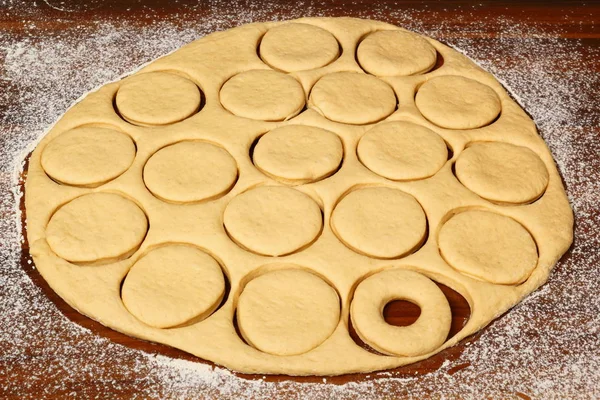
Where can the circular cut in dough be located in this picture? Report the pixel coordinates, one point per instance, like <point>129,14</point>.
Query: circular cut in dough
<point>379,222</point>
<point>352,98</point>
<point>402,151</point>
<point>298,154</point>
<point>287,312</point>
<point>88,156</point>
<point>273,220</point>
<point>96,228</point>
<point>173,285</point>
<point>488,246</point>
<point>426,334</point>
<point>456,102</point>
<point>502,172</point>
<point>263,95</point>
<point>395,52</point>
<point>157,98</point>
<point>190,171</point>
<point>298,47</point>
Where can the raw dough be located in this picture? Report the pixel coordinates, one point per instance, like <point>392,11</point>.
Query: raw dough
<point>394,52</point>
<point>273,220</point>
<point>379,222</point>
<point>298,47</point>
<point>157,98</point>
<point>97,227</point>
<point>488,246</point>
<point>287,312</point>
<point>402,151</point>
<point>298,154</point>
<point>427,333</point>
<point>263,95</point>
<point>190,171</point>
<point>502,172</point>
<point>173,285</point>
<point>352,98</point>
<point>456,102</point>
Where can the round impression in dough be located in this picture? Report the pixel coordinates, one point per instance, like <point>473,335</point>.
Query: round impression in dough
<point>273,220</point>
<point>173,285</point>
<point>395,53</point>
<point>502,172</point>
<point>96,228</point>
<point>488,246</point>
<point>287,312</point>
<point>298,47</point>
<point>456,102</point>
<point>263,95</point>
<point>426,334</point>
<point>157,98</point>
<point>379,222</point>
<point>88,156</point>
<point>402,151</point>
<point>190,171</point>
<point>352,98</point>
<point>298,154</point>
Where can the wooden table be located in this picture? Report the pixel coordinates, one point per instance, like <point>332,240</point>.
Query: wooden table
<point>567,19</point>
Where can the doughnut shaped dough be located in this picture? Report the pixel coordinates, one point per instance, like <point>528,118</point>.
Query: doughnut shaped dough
<point>287,312</point>
<point>157,98</point>
<point>173,285</point>
<point>273,220</point>
<point>352,98</point>
<point>88,156</point>
<point>395,53</point>
<point>402,151</point>
<point>96,228</point>
<point>298,154</point>
<point>488,246</point>
<point>263,95</point>
<point>456,102</point>
<point>379,222</point>
<point>426,334</point>
<point>298,47</point>
<point>502,172</point>
<point>190,171</point>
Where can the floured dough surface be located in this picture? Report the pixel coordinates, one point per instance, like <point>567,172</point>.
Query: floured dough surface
<point>253,196</point>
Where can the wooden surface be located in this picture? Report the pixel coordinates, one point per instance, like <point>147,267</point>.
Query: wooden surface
<point>576,21</point>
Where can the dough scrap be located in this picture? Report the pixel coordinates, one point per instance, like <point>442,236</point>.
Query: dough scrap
<point>298,154</point>
<point>287,312</point>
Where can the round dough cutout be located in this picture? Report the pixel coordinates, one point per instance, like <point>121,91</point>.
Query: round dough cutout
<point>488,246</point>
<point>173,285</point>
<point>96,228</point>
<point>395,53</point>
<point>287,312</point>
<point>426,334</point>
<point>379,222</point>
<point>402,151</point>
<point>190,171</point>
<point>297,47</point>
<point>456,102</point>
<point>352,98</point>
<point>273,220</point>
<point>298,154</point>
<point>502,172</point>
<point>88,156</point>
<point>263,95</point>
<point>157,98</point>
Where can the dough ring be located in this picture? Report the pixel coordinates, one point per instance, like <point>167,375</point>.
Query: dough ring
<point>426,334</point>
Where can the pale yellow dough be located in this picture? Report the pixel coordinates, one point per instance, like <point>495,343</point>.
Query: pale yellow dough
<point>306,199</point>
<point>173,285</point>
<point>298,154</point>
<point>395,53</point>
<point>287,312</point>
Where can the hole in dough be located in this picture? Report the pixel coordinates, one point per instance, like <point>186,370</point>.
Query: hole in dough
<point>401,313</point>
